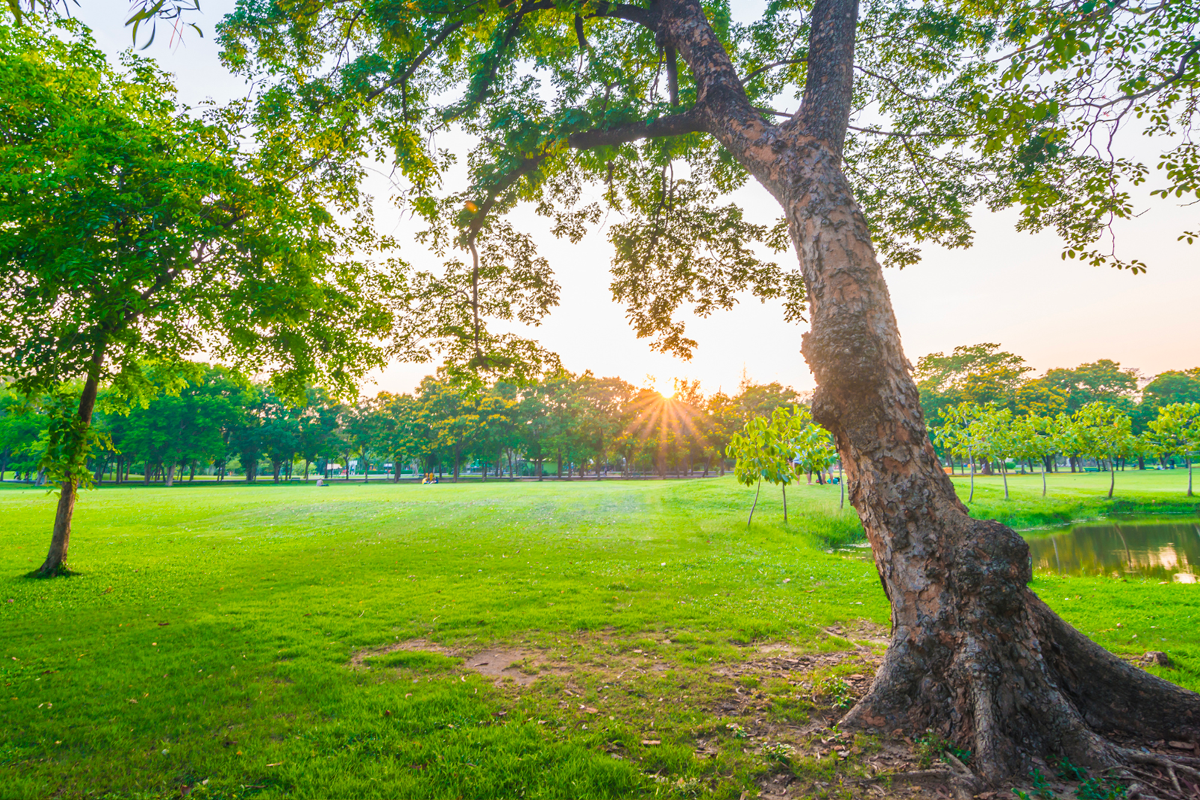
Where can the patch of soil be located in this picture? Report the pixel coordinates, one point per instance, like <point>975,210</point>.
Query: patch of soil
<point>503,665</point>
<point>500,664</point>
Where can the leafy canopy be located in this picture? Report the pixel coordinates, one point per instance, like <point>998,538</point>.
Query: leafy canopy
<point>577,106</point>
<point>133,232</point>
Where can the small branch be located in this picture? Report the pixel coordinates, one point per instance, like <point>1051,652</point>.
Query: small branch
<point>773,112</point>
<point>672,75</point>
<point>443,34</point>
<point>1174,78</point>
<point>784,63</point>
<point>691,121</point>
<point>898,134</point>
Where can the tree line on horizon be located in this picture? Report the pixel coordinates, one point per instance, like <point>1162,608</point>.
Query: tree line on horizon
<point>208,422</point>
<point>980,405</point>
<point>981,408</point>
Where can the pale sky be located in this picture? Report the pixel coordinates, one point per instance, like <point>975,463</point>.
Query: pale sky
<point>1011,288</point>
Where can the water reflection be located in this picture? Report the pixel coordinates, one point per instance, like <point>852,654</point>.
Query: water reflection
<point>1167,551</point>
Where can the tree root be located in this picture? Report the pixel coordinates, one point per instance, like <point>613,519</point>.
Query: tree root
<point>1013,682</point>
<point>1166,786</point>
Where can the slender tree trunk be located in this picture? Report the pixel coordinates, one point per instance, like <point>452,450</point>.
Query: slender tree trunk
<point>754,505</point>
<point>842,485</point>
<point>971,496</point>
<point>1004,476</point>
<point>60,538</point>
<point>1112,477</point>
<point>1043,477</point>
<point>1187,460</point>
<point>169,473</point>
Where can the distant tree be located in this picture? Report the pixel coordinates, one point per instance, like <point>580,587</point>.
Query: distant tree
<point>1173,386</point>
<point>366,430</point>
<point>761,399</point>
<point>995,437</point>
<point>22,426</point>
<point>404,436</point>
<point>1100,381</point>
<point>1041,397</point>
<point>280,432</point>
<point>534,425</point>
<point>1034,437</point>
<point>1176,431</point>
<point>601,403</point>
<point>318,424</point>
<point>722,421</point>
<point>451,414</point>
<point>245,433</point>
<point>980,374</point>
<point>1104,433</point>
<point>961,435</point>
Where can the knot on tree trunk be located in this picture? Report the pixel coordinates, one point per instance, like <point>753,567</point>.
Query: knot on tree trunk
<point>851,362</point>
<point>992,563</point>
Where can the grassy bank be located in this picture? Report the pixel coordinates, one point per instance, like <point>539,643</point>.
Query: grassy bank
<point>269,641</point>
<point>1078,497</point>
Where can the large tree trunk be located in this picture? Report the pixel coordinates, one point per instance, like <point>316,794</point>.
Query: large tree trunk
<point>974,654</point>
<point>60,539</point>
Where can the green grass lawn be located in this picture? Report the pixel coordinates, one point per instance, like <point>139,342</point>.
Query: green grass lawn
<point>262,641</point>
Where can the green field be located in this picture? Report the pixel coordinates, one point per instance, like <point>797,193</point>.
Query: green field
<point>262,641</point>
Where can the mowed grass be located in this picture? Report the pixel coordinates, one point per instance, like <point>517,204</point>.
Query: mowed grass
<point>211,644</point>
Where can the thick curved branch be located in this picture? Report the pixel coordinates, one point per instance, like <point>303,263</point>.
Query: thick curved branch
<point>719,91</point>
<point>634,14</point>
<point>828,87</point>
<point>691,121</point>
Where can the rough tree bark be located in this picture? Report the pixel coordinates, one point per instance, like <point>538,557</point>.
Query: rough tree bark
<point>974,653</point>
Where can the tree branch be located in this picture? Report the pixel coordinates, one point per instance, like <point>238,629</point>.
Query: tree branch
<point>672,75</point>
<point>691,121</point>
<point>443,34</point>
<point>634,14</point>
<point>784,63</point>
<point>828,88</point>
<point>1173,78</point>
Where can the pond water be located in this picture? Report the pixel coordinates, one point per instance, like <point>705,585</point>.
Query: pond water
<point>1163,550</point>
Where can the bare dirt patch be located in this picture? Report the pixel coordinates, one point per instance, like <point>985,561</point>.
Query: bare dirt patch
<point>515,665</point>
<point>504,665</point>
